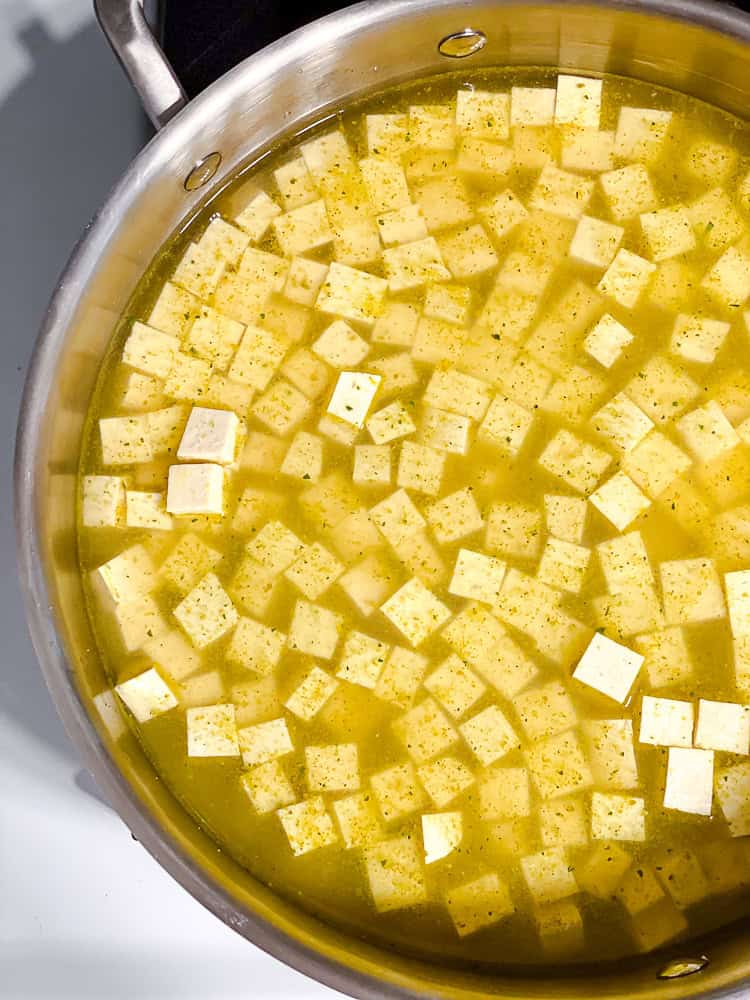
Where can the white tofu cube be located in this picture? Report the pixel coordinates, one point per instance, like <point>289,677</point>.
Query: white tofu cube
<point>416,263</point>
<point>395,874</point>
<point>268,787</point>
<point>352,294</point>
<point>628,192</point>
<point>304,280</point>
<point>150,351</point>
<point>733,793</point>
<point>372,464</point>
<point>442,833</point>
<point>275,547</point>
<point>613,762</point>
<point>358,820</point>
<point>692,591</point>
<point>477,576</point>
<point>483,113</point>
<point>710,161</point>
<point>468,252</point>
<point>608,667</point>
<point>401,677</point>
<point>209,436</point>
<point>698,338</point>
<point>561,193</point>
<point>463,394</point>
<point>103,501</point>
<point>396,325</point>
<point>622,422</point>
<point>195,489</point>
<point>641,133</point>
<point>362,659</point>
<point>386,184</point>
<point>514,529</point>
<point>559,766</point>
<point>603,869</point>
<point>256,217</point>
<point>506,425</point>
<point>690,780</point>
<point>532,105</point>
<point>397,518</point>
<point>308,825</point>
<point>504,792</point>
<point>545,711</point>
<point>668,232</point>
<point>333,768</point>
<point>311,694</point>
<point>340,347</point>
<point>206,613</point>
<point>265,741</point>
<point>565,517</point>
<point>502,213</point>
<point>606,340</point>
<point>391,423</point>
<point>445,431</point>
<point>707,432</point>
<point>352,397</point>
<point>560,928</point>
<point>128,575</point>
<point>724,726</point>
<point>655,463</point>
<point>625,563</point>
<point>315,630</point>
<point>595,242</point>
<point>455,686</point>
<point>667,657</point>
<point>578,101</point>
<point>397,791</point>
<point>480,903</point>
<point>255,646</point>
<point>425,731</point>
<point>617,817</point>
<point>304,459</point>
<point>445,779</point>
<point>212,731</point>
<point>589,150</point>
<point>126,440</point>
<point>420,468</point>
<point>489,735</point>
<point>661,389</point>
<point>548,875</point>
<point>620,500</point>
<point>564,564</point>
<point>666,722</point>
<point>455,516</point>
<point>404,225</point>
<point>146,695</point>
<point>728,281</point>
<point>575,461</point>
<point>626,278</point>
<point>174,311</point>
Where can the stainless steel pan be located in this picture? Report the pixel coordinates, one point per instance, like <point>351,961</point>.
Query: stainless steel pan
<point>702,48</point>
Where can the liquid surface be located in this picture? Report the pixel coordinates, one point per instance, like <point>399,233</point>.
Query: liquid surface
<point>414,515</point>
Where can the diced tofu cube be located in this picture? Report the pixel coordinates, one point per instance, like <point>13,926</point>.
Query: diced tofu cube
<point>146,695</point>
<point>606,340</point>
<point>256,216</point>
<point>738,599</point>
<point>314,571</point>
<point>150,351</point>
<point>445,779</point>
<point>716,221</point>
<point>282,408</point>
<point>303,228</point>
<point>425,731</point>
<point>666,722</point>
<point>589,150</point>
<point>410,265</point>
<point>304,459</point>
<point>314,630</point>
<point>724,726</point>
<point>505,792</point>
<point>477,576</point>
<point>174,310</point>
<point>480,639</point>
<point>268,787</point>
<point>397,324</point>
<point>420,468</point>
<point>391,423</point>
<point>728,281</point>
<point>459,393</point>
<point>437,342</point>
<point>626,278</point>
<point>372,464</point>
<point>304,280</point>
<point>608,667</point>
<point>532,105</point>
<point>358,820</point>
<point>617,817</point>
<point>455,516</point>
<point>628,192</point>
<point>369,582</point>
<point>254,586</point>
<point>468,252</point>
<point>200,270</point>
<point>404,225</point>
<point>514,529</point>
<point>362,659</point>
<point>489,735</point>
<point>276,547</point>
<point>564,564</point>
<point>397,791</point>
<point>561,193</point>
<point>578,101</point>
<point>401,677</point>
<point>445,431</point>
<point>560,928</point>
<point>352,397</point>
<point>265,741</point>
<point>655,463</point>
<point>311,694</point>
<point>129,575</point>
<point>444,202</point>
<point>139,621</point>
<point>203,689</point>
<point>352,294</point>
<point>295,183</point>
<point>448,302</point>
<point>397,518</point>
<point>506,425</point>
<point>668,232</point>
<point>573,396</point>
<point>103,501</point>
<point>641,133</point>
<point>441,835</point>
<point>612,755</point>
<point>620,500</point>
<point>603,869</point>
<point>209,436</point>
<point>502,213</point>
<point>595,242</point>
<point>690,781</point>
<point>455,686</point>
<point>707,432</point>
<point>308,825</point>
<point>480,903</point>
<point>576,462</point>
<point>212,731</point>
<point>733,793</point>
<point>483,113</point>
<point>629,612</point>
<point>340,347</point>
<point>207,612</point>
<point>625,563</point>
<point>698,338</point>
<point>255,646</point>
<point>667,657</point>
<point>710,161</point>
<point>548,875</point>
<point>395,874</point>
<point>332,768</point>
<point>545,711</point>
<point>639,890</point>
<point>622,422</point>
<point>565,517</point>
<point>681,874</point>
<point>432,126</point>
<point>126,440</point>
<point>692,591</point>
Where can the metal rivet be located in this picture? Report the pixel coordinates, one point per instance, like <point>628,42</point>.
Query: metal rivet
<point>462,43</point>
<point>203,171</point>
<point>680,967</point>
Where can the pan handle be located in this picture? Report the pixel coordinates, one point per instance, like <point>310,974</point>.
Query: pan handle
<point>127,31</point>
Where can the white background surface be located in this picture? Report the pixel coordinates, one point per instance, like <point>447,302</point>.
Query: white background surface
<point>84,910</point>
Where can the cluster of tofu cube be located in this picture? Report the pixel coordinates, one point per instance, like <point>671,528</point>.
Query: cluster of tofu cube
<point>313,479</point>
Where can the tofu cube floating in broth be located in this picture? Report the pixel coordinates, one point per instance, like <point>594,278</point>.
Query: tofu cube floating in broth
<point>414,508</point>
